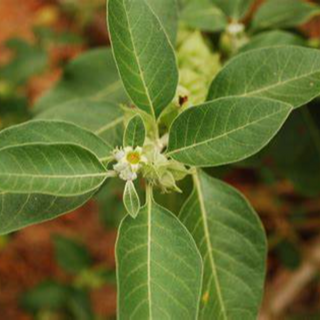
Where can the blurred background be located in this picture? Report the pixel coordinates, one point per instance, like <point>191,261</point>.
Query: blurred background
<point>65,269</point>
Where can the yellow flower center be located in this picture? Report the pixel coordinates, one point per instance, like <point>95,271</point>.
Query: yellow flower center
<point>133,157</point>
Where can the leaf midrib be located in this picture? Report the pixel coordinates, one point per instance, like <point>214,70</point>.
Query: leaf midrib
<point>138,61</point>
<point>254,92</point>
<point>46,176</point>
<point>170,153</point>
<point>208,241</point>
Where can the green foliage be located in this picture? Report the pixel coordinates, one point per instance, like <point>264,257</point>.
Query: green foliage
<point>232,243</point>
<point>284,14</point>
<point>225,131</point>
<point>210,262</point>
<point>47,295</point>
<point>290,74</point>
<point>272,39</point>
<point>167,12</point>
<point>28,60</point>
<point>131,199</point>
<point>52,298</point>
<point>235,9</point>
<point>157,260</point>
<point>135,133</point>
<point>71,255</point>
<point>47,169</point>
<point>203,15</point>
<point>83,79</point>
<point>103,118</point>
<point>143,54</point>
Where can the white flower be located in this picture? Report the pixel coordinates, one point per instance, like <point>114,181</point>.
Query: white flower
<point>129,162</point>
<point>235,28</point>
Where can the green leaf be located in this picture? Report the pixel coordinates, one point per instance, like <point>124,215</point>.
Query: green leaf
<point>159,268</point>
<point>71,255</point>
<point>50,131</point>
<point>79,305</point>
<point>235,9</point>
<point>233,246</point>
<point>284,14</point>
<point>225,131</point>
<point>21,210</point>
<point>91,75</point>
<point>273,39</point>
<point>167,12</point>
<point>135,133</point>
<point>131,199</point>
<point>143,53</point>
<point>290,74</point>
<point>47,295</point>
<point>103,118</point>
<point>204,15</point>
<point>57,169</point>
<point>28,61</point>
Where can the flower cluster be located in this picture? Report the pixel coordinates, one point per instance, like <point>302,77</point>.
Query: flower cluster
<point>129,162</point>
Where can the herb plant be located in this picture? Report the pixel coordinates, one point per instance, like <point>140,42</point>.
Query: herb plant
<point>162,125</point>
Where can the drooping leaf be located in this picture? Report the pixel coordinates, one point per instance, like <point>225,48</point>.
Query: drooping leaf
<point>225,131</point>
<point>143,53</point>
<point>92,75</point>
<point>284,14</point>
<point>50,131</point>
<point>203,15</point>
<point>232,243</point>
<point>290,74</point>
<point>131,199</point>
<point>103,118</point>
<point>167,12</point>
<point>57,169</point>
<point>135,132</point>
<point>70,255</point>
<point>20,210</point>
<point>235,9</point>
<point>273,39</point>
<point>159,267</point>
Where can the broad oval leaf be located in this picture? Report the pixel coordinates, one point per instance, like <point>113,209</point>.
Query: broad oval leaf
<point>144,54</point>
<point>21,210</point>
<point>103,118</point>
<point>56,169</point>
<point>235,9</point>
<point>158,266</point>
<point>167,12</point>
<point>49,131</point>
<point>232,242</point>
<point>290,74</point>
<point>225,131</point>
<point>131,199</point>
<point>91,75</point>
<point>284,14</point>
<point>273,39</point>
<point>204,15</point>
<point>135,133</point>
